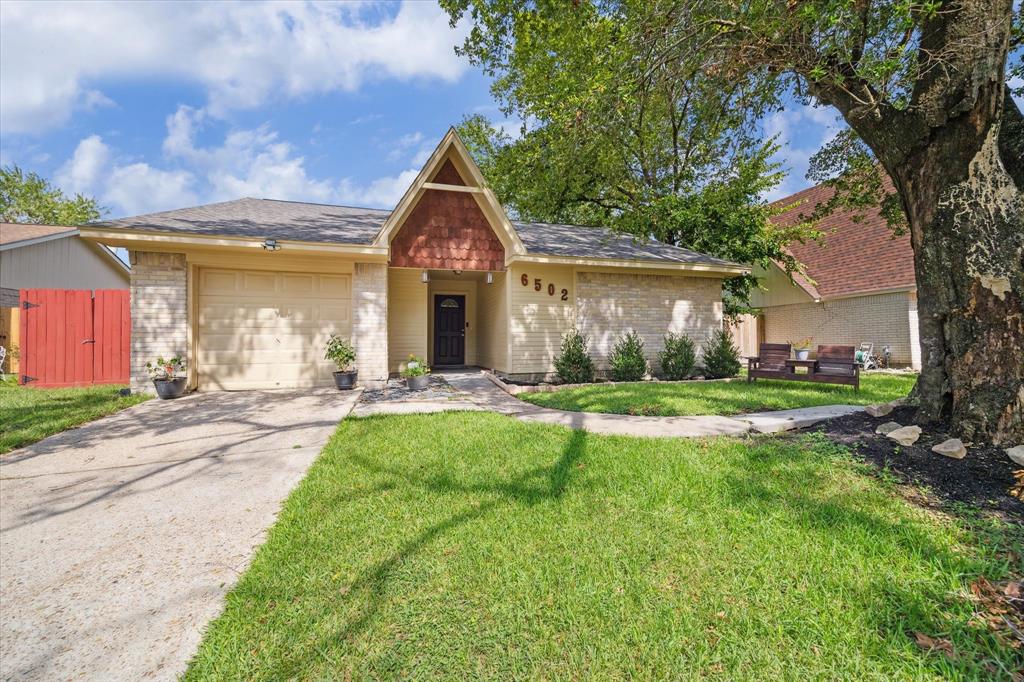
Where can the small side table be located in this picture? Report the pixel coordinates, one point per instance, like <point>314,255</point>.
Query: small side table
<point>808,366</point>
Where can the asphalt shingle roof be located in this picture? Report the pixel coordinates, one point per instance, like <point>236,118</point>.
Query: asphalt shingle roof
<point>12,233</point>
<point>853,257</point>
<point>290,220</point>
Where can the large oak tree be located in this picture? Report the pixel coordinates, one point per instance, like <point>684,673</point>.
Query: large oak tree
<point>923,86</point>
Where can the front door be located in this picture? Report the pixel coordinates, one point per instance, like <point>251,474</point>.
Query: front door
<point>449,330</point>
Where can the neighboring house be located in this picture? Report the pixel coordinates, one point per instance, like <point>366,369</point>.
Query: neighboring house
<point>249,290</point>
<point>50,257</point>
<point>861,285</point>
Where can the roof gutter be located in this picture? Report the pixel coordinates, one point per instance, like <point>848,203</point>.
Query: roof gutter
<point>726,269</point>
<point>140,239</point>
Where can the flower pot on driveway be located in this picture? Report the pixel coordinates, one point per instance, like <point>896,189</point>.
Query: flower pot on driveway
<point>170,388</point>
<point>803,354</point>
<point>345,381</point>
<point>417,383</point>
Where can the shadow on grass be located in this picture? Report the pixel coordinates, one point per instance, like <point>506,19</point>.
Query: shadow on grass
<point>532,487</point>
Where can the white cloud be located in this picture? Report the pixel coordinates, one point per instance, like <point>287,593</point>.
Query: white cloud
<point>801,131</point>
<point>253,162</point>
<point>54,56</point>
<point>82,170</point>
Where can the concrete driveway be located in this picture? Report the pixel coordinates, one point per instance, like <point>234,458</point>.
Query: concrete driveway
<point>119,539</point>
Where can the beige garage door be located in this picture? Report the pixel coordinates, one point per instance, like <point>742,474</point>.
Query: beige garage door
<point>268,329</point>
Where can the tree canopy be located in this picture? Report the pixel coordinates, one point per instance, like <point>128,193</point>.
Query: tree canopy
<point>29,198</point>
<point>673,151</point>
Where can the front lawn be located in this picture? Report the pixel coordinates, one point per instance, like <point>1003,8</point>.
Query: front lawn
<point>473,546</point>
<point>718,397</point>
<point>30,414</point>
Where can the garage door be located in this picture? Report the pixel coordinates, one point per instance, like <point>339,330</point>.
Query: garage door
<point>268,329</point>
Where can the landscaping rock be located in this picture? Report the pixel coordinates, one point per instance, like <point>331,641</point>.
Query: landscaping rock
<point>1016,454</point>
<point>878,410</point>
<point>953,448</point>
<point>905,435</point>
<point>888,427</point>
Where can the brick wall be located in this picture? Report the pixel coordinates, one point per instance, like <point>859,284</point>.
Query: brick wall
<point>883,319</point>
<point>370,322</point>
<point>159,302</point>
<point>651,305</point>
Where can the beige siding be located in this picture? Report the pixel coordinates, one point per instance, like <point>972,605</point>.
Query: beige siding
<point>69,263</point>
<point>776,289</point>
<point>492,343</point>
<point>407,316</point>
<point>467,288</point>
<point>883,319</point>
<point>537,320</point>
<point>609,304</point>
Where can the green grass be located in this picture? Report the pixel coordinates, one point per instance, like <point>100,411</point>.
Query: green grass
<point>30,414</point>
<point>718,397</point>
<point>473,546</point>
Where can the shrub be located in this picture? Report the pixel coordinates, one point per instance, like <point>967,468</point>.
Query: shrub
<point>414,367</point>
<point>721,358</point>
<point>627,359</point>
<point>573,364</point>
<point>679,356</point>
<point>340,352</point>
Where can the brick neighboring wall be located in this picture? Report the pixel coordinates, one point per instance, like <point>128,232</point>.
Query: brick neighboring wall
<point>370,323</point>
<point>159,301</point>
<point>883,319</point>
<point>651,305</point>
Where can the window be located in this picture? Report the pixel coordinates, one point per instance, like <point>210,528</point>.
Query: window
<point>449,303</point>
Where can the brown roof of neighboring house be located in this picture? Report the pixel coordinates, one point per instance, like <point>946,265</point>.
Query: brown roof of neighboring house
<point>852,258</point>
<point>11,233</point>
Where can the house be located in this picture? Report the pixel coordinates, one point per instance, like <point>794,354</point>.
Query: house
<point>859,287</point>
<point>249,290</point>
<point>49,257</point>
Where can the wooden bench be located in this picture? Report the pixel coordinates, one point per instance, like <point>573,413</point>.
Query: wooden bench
<point>834,365</point>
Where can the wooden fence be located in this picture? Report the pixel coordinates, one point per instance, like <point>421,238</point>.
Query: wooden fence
<point>74,337</point>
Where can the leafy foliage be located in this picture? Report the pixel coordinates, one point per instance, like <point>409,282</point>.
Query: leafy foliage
<point>627,361</point>
<point>618,138</point>
<point>415,367</point>
<point>721,357</point>
<point>573,364</point>
<point>678,358</point>
<point>29,198</point>
<point>162,369</point>
<point>341,352</point>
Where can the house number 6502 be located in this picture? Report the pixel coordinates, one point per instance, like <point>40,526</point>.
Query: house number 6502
<point>538,286</point>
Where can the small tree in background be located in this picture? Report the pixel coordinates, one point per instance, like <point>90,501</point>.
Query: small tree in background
<point>721,357</point>
<point>678,358</point>
<point>29,198</point>
<point>627,358</point>
<point>573,364</point>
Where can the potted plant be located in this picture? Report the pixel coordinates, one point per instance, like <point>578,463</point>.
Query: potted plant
<point>342,354</point>
<point>168,377</point>
<point>802,348</point>
<point>416,373</point>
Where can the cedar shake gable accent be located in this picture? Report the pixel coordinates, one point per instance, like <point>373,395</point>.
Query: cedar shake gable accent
<point>853,258</point>
<point>448,175</point>
<point>447,231</point>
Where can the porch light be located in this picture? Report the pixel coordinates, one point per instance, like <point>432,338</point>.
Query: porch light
<point>271,245</point>
<point>424,277</point>
<point>490,278</point>
<point>457,272</point>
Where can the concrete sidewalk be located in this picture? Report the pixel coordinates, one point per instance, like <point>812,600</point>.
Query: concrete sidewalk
<point>119,539</point>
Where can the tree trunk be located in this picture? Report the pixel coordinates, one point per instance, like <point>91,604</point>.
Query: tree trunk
<point>967,229</point>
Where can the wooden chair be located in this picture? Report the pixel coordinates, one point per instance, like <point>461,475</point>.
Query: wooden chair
<point>837,365</point>
<point>770,362</point>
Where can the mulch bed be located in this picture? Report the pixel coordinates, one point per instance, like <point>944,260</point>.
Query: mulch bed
<point>982,479</point>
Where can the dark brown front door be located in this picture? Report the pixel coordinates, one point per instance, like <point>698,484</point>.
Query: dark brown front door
<point>449,330</point>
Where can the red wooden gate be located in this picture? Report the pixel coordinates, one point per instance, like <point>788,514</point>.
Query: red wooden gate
<point>72,337</point>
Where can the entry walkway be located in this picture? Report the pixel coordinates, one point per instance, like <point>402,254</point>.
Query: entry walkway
<point>475,391</point>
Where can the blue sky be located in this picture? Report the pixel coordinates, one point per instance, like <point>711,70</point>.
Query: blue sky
<point>152,106</point>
